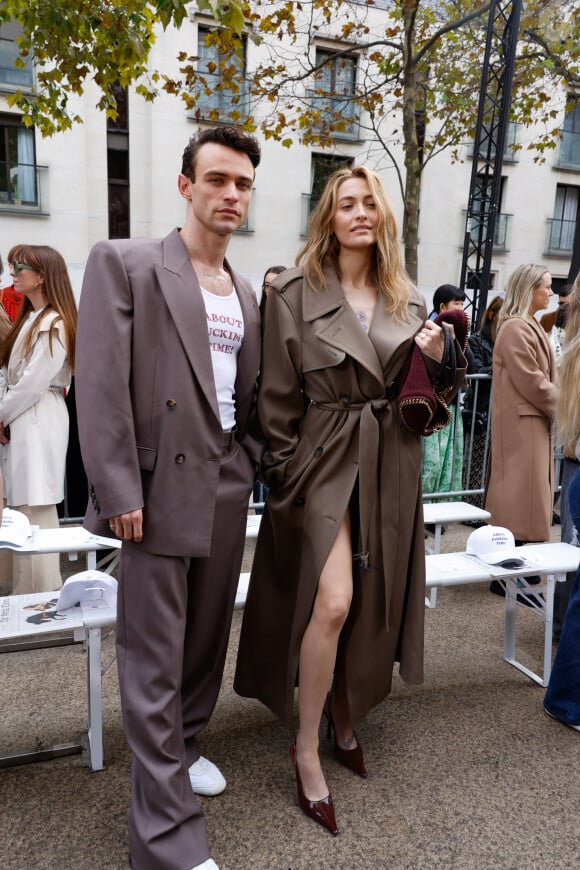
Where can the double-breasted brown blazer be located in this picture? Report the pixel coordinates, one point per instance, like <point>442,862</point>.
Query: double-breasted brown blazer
<point>333,438</point>
<point>520,483</point>
<point>148,414</point>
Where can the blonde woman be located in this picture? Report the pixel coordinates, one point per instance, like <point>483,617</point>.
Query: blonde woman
<point>520,483</point>
<point>36,361</point>
<point>562,699</point>
<point>338,587</point>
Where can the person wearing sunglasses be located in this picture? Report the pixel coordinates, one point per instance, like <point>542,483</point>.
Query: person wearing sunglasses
<point>10,303</point>
<point>36,360</point>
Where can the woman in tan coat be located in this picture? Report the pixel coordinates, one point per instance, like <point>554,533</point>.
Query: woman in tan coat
<point>520,485</point>
<point>338,583</point>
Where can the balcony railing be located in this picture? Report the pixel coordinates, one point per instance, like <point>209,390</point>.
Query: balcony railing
<point>220,106</point>
<point>569,150</point>
<point>13,77</point>
<point>560,237</point>
<point>509,155</point>
<point>339,116</point>
<point>23,188</point>
<point>500,234</point>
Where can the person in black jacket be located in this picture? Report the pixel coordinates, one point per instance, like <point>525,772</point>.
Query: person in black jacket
<point>477,401</point>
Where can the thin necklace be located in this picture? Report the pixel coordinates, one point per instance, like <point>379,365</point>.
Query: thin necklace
<point>216,276</point>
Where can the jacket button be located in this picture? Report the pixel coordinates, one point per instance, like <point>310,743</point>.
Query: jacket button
<point>346,401</point>
<point>180,458</point>
<point>170,403</point>
<point>300,501</point>
<point>319,451</point>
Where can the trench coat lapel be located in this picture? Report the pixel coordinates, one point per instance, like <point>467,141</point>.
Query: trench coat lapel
<point>391,337</point>
<point>182,293</point>
<point>338,326</point>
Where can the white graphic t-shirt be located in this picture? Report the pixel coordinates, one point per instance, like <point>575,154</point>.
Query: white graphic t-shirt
<point>225,327</point>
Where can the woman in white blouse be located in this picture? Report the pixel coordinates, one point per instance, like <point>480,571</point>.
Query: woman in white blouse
<point>37,358</point>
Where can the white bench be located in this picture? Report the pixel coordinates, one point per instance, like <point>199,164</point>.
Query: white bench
<point>73,540</point>
<point>17,632</point>
<point>552,561</point>
<point>34,617</point>
<point>253,525</point>
<point>436,514</point>
<point>444,513</point>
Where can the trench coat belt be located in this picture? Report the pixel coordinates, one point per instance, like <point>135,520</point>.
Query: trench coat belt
<point>59,391</point>
<point>369,464</point>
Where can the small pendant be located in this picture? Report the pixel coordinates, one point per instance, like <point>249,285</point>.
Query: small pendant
<point>363,319</point>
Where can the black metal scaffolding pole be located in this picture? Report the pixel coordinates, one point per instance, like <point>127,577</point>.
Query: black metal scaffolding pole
<point>490,139</point>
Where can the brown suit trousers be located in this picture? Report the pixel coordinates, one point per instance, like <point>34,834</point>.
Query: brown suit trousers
<point>169,677</point>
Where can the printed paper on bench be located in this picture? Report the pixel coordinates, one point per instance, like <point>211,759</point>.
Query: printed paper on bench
<point>536,567</point>
<point>449,564</point>
<point>22,615</point>
<point>526,567</point>
<point>446,564</point>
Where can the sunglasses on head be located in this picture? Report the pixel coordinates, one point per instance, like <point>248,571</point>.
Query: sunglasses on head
<point>17,267</point>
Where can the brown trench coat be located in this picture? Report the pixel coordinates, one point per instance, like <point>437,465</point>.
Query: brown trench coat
<point>327,423</point>
<point>520,485</point>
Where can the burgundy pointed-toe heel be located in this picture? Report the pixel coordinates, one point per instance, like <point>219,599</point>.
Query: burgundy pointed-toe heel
<point>320,811</point>
<point>351,758</point>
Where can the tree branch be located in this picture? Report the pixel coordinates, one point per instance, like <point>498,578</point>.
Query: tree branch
<point>452,25</point>
<point>567,74</point>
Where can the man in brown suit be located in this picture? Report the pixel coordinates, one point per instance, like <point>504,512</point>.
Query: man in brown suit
<point>168,355</point>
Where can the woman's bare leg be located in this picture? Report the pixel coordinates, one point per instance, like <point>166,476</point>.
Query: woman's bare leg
<point>318,657</point>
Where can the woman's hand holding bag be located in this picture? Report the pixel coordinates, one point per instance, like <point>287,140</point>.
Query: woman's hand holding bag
<point>422,403</point>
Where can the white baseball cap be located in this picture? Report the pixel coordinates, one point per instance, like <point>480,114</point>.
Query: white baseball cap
<point>90,588</point>
<point>495,546</point>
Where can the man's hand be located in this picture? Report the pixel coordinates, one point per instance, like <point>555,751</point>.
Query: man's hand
<point>3,438</point>
<point>128,527</point>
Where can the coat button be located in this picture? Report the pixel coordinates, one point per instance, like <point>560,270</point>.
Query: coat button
<point>300,501</point>
<point>180,458</point>
<point>346,401</point>
<point>170,403</point>
<point>319,451</point>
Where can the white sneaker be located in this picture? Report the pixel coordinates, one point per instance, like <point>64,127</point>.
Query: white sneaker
<point>569,724</point>
<point>210,864</point>
<point>207,780</point>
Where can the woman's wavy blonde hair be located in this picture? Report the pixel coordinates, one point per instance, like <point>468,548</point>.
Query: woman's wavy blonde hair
<point>322,247</point>
<point>59,296</point>
<point>519,292</point>
<point>568,402</point>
